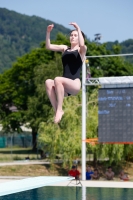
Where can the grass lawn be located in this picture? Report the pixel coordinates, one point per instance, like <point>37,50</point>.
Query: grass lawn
<point>46,170</point>
<point>6,154</point>
<point>16,153</point>
<point>32,170</point>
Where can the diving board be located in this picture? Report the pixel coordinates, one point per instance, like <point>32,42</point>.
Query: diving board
<point>30,183</point>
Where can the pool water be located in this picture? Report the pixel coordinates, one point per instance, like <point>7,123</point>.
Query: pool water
<point>72,193</point>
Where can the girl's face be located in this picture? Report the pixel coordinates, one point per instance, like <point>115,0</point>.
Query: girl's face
<point>74,37</point>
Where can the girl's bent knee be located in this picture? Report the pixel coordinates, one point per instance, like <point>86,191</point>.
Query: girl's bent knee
<point>57,80</point>
<point>48,82</point>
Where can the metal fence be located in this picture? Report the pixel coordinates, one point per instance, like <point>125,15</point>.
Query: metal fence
<point>16,140</point>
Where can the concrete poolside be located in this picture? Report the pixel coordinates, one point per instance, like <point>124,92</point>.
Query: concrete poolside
<point>91,183</point>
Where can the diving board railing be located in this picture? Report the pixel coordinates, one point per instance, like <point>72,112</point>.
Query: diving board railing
<point>30,183</point>
<point>104,82</point>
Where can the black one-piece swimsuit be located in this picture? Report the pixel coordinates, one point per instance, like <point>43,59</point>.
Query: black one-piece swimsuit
<point>72,64</point>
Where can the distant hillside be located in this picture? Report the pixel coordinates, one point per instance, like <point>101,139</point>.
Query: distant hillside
<point>126,47</point>
<point>21,33</point>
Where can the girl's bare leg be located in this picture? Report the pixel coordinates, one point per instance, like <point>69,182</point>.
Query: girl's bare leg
<point>50,89</point>
<point>59,89</point>
<point>62,86</point>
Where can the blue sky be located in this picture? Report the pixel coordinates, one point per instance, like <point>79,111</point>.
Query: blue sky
<point>113,19</point>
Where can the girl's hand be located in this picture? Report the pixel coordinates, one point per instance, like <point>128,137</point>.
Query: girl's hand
<point>75,25</point>
<point>50,27</point>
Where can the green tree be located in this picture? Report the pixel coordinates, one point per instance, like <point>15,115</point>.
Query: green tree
<point>17,85</point>
<point>23,86</point>
<point>63,139</point>
<point>108,66</point>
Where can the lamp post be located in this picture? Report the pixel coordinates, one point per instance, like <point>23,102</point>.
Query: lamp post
<point>97,37</point>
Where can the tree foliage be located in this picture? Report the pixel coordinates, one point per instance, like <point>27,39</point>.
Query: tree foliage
<point>126,47</point>
<point>108,66</point>
<point>63,139</point>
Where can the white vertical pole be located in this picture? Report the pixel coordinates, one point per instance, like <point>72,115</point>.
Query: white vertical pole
<point>83,193</point>
<point>83,121</point>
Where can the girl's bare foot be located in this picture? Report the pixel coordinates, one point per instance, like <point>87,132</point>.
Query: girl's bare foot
<point>58,116</point>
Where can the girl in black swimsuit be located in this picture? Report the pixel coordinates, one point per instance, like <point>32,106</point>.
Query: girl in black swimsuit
<point>72,59</point>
